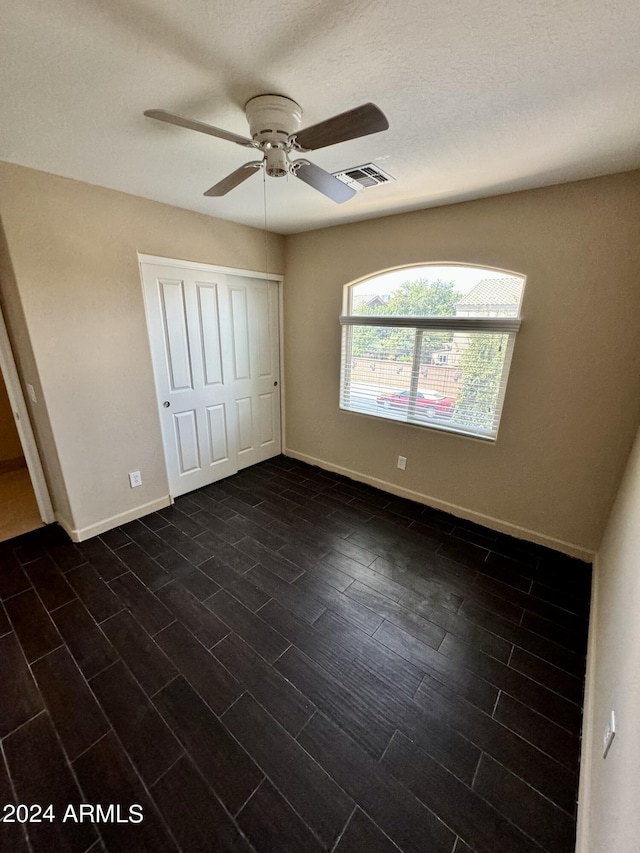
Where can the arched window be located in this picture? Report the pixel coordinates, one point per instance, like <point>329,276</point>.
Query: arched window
<point>431,345</point>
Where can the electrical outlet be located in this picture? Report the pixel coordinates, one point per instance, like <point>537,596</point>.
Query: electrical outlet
<point>402,462</point>
<point>31,391</point>
<point>135,479</point>
<point>609,733</point>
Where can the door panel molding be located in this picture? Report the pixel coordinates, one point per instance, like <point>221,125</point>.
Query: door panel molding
<point>174,318</point>
<point>217,431</point>
<point>186,428</point>
<point>208,315</point>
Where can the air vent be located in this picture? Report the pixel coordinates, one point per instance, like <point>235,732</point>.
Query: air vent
<point>363,177</point>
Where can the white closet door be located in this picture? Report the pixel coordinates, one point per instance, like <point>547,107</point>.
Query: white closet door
<point>214,342</point>
<point>255,366</point>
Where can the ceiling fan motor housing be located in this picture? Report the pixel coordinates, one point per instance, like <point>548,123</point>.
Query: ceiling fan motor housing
<point>272,119</point>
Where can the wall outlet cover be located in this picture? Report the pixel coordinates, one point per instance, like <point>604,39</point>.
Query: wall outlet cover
<point>135,479</point>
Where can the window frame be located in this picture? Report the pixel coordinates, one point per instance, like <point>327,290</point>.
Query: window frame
<point>491,325</point>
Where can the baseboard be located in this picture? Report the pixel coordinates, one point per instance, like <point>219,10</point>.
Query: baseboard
<point>588,723</point>
<point>80,534</point>
<point>497,524</point>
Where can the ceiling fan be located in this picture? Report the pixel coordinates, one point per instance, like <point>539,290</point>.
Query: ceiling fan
<point>273,124</point>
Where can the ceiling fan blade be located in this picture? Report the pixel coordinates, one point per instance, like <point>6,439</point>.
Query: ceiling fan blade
<point>360,121</point>
<point>200,126</point>
<point>235,178</point>
<point>322,181</point>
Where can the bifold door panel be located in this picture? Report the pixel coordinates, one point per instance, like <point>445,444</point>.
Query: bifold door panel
<point>215,348</point>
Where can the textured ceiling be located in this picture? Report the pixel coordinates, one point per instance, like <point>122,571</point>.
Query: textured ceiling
<point>482,98</point>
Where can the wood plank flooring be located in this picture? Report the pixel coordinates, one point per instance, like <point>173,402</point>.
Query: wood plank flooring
<point>291,661</point>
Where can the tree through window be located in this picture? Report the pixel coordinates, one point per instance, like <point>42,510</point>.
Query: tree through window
<point>431,345</point>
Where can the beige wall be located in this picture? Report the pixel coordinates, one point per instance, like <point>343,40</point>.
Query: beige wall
<point>26,365</point>
<point>73,301</point>
<point>608,813</point>
<point>74,304</point>
<point>10,447</point>
<point>573,400</point>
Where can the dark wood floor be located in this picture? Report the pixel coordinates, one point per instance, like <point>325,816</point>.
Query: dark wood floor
<point>290,661</point>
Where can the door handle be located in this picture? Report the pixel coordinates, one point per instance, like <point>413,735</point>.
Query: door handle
<point>166,404</point>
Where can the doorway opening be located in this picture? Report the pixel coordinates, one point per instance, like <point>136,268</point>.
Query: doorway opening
<point>25,504</point>
<point>19,513</point>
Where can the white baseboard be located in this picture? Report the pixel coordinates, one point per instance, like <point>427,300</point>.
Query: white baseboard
<point>79,535</point>
<point>64,524</point>
<point>588,723</point>
<point>497,524</point>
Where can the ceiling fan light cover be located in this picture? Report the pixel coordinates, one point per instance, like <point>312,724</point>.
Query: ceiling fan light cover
<point>276,162</point>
